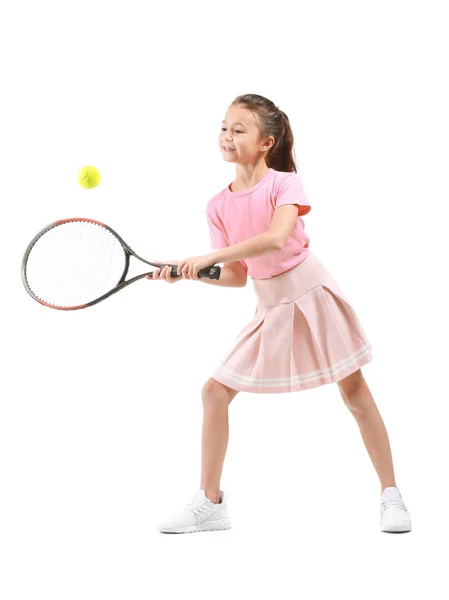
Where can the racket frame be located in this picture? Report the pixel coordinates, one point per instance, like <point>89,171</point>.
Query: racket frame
<point>210,272</point>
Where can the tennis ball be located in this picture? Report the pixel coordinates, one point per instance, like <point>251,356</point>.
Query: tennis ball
<point>88,177</point>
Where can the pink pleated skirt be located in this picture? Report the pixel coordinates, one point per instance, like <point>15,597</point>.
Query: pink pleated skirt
<point>304,334</point>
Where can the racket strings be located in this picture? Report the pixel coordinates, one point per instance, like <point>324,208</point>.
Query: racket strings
<point>75,263</point>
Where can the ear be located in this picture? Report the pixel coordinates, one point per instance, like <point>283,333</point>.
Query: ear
<point>268,142</point>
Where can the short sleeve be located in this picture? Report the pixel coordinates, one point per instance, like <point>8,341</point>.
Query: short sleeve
<point>216,230</point>
<point>291,191</point>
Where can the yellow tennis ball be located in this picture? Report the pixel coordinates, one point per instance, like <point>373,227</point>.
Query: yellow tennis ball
<point>88,177</point>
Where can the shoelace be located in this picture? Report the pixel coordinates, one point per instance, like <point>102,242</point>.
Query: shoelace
<point>395,504</point>
<point>198,509</point>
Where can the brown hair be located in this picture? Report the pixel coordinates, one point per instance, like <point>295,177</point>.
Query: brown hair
<point>272,121</point>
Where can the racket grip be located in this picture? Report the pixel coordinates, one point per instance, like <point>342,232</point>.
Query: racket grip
<point>208,273</point>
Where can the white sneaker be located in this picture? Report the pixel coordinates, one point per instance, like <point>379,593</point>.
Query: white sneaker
<point>394,516</point>
<point>200,514</point>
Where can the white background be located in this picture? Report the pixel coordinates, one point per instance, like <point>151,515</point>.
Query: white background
<point>101,414</point>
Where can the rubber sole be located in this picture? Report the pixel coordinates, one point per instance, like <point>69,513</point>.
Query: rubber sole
<point>212,526</point>
<point>396,529</point>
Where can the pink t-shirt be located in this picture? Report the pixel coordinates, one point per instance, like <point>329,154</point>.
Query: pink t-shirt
<point>234,217</point>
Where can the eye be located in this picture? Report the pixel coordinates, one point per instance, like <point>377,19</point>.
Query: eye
<point>236,130</point>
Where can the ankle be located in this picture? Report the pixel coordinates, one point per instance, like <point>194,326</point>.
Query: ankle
<point>212,494</point>
<point>383,486</point>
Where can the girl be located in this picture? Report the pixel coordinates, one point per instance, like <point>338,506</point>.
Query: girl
<point>305,332</point>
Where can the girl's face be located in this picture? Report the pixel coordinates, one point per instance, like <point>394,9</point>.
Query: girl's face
<point>240,132</point>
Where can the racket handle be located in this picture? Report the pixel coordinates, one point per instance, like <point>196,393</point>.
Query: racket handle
<point>208,273</point>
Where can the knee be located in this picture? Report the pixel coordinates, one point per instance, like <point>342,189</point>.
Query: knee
<point>352,390</point>
<point>216,395</point>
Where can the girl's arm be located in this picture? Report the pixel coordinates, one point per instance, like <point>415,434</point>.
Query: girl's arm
<point>258,245</point>
<point>233,273</point>
<point>281,227</point>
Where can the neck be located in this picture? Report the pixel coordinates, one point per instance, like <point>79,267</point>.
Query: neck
<point>248,175</point>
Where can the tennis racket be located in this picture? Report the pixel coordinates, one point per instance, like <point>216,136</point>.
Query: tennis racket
<point>76,263</point>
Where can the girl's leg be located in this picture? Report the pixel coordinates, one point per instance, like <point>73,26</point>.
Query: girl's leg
<point>357,397</point>
<point>216,400</point>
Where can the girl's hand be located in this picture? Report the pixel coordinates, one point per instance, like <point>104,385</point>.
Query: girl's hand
<point>164,273</point>
<point>190,267</point>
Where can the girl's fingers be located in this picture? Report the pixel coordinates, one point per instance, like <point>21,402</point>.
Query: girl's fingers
<point>164,273</point>
<point>168,276</point>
